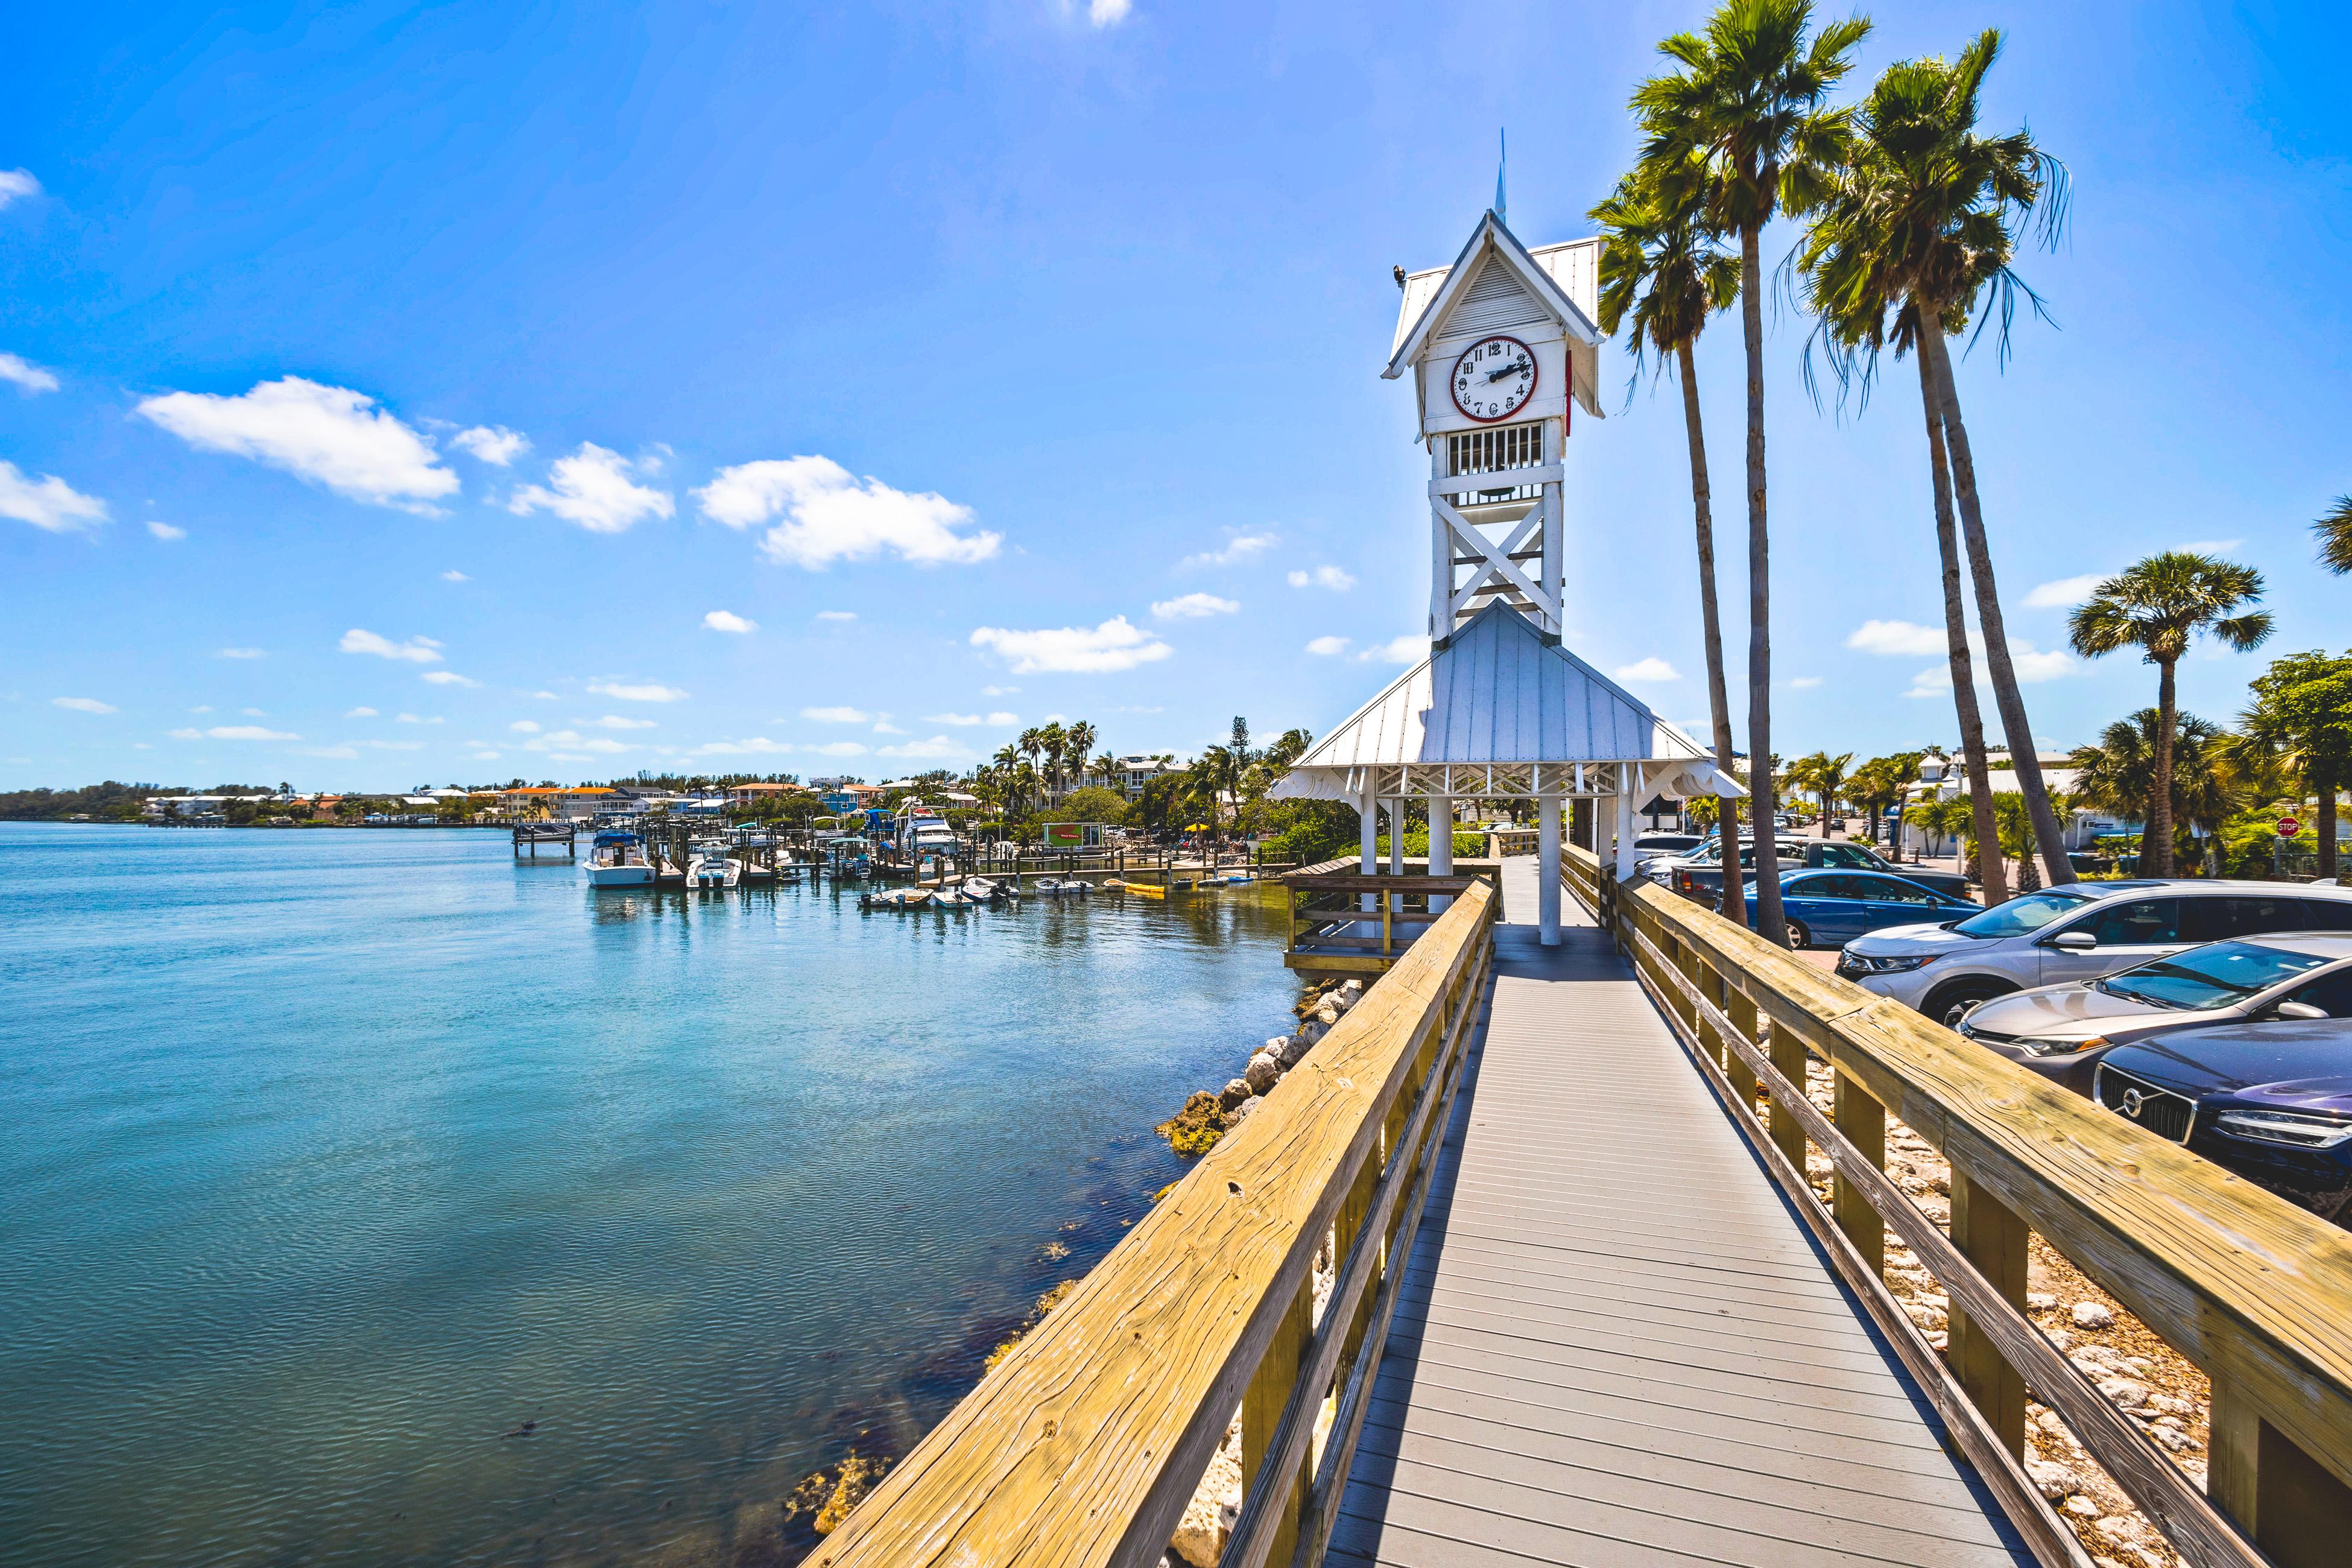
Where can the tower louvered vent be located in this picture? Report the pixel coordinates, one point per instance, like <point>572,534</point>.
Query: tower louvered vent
<point>1496,302</point>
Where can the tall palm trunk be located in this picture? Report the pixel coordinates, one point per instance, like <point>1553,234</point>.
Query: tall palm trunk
<point>1733,902</point>
<point>2159,845</point>
<point>1769,922</point>
<point>2015,724</point>
<point>1990,874</point>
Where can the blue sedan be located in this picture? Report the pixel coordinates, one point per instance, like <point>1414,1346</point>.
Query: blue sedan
<point>1832,908</point>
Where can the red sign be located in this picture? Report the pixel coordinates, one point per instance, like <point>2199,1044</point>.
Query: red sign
<point>2289,827</point>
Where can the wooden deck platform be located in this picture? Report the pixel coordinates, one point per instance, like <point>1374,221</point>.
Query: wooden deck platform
<point>1615,1344</point>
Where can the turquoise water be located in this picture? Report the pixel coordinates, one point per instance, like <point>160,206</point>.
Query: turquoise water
<point>332,1158</point>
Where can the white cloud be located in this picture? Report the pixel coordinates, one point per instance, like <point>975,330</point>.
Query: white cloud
<point>343,753</point>
<point>84,705</point>
<point>2064,591</point>
<point>647,692</point>
<point>393,745</point>
<point>837,614</point>
<point>492,443</point>
<point>823,514</point>
<point>615,721</point>
<point>1650,668</point>
<point>999,691</point>
<point>1113,645</point>
<point>360,713</point>
<point>329,436</point>
<point>968,720</point>
<point>1327,648</point>
<point>240,653</point>
<point>48,503</point>
<point>2032,666</point>
<point>524,727</point>
<point>233,732</point>
<point>201,708</point>
<point>593,488</point>
<point>1330,578</point>
<point>1896,638</point>
<point>30,377</point>
<point>253,712</point>
<point>887,728</point>
<point>1195,606</point>
<point>572,740</point>
<point>842,715</point>
<point>1107,13</point>
<point>418,719</point>
<point>1406,649</point>
<point>2210,546</point>
<point>839,749</point>
<point>415,651</point>
<point>164,531</point>
<point>447,678</point>
<point>752,747</point>
<point>1802,683</point>
<point>1239,548</point>
<point>937,747</point>
<point>546,696</point>
<point>723,621</point>
<point>485,756</point>
<point>17,184</point>
<point>453,575</point>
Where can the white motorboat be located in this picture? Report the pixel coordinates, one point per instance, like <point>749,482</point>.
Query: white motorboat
<point>980,890</point>
<point>1060,888</point>
<point>710,867</point>
<point>618,861</point>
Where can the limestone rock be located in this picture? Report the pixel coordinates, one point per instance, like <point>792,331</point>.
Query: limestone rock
<point>1328,1014</point>
<point>2082,1507</point>
<point>2054,1481</point>
<point>1235,1091</point>
<point>1239,1114</point>
<point>1292,1049</point>
<point>2091,1315</point>
<point>2123,1392</point>
<point>1311,1031</point>
<point>1208,1517</point>
<point>1264,1070</point>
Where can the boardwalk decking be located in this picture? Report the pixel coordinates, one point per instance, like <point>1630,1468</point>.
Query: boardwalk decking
<point>1615,1346</point>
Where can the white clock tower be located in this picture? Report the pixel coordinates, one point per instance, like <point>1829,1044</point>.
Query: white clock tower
<point>1502,349</point>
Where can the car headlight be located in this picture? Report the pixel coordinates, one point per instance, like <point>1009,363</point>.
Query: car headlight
<point>2286,1126</point>
<point>2061,1047</point>
<point>1862,963</point>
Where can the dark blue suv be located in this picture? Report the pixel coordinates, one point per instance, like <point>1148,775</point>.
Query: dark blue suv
<point>2270,1101</point>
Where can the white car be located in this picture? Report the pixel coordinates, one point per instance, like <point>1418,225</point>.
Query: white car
<point>2082,931</point>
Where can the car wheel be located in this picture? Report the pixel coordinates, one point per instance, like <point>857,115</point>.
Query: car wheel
<point>1799,937</point>
<point>1950,1004</point>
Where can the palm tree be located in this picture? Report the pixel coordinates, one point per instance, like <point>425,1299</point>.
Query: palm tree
<point>1919,225</point>
<point>1214,774</point>
<point>1949,817</point>
<point>2335,532</point>
<point>2302,719</point>
<point>1104,767</point>
<point>1077,741</point>
<point>1748,105</point>
<point>2118,775</point>
<point>2158,606</point>
<point>1877,787</point>
<point>1664,267</point>
<point>1823,775</point>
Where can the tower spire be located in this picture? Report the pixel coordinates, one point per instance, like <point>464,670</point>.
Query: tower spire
<point>1502,161</point>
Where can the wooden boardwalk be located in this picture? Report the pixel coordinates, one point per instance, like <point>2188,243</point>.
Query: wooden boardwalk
<point>1615,1344</point>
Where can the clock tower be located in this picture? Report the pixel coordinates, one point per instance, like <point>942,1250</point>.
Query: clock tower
<point>1502,349</point>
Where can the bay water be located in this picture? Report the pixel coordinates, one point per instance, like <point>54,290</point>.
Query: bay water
<point>371,1197</point>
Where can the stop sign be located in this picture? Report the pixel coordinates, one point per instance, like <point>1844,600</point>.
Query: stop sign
<point>2288,828</point>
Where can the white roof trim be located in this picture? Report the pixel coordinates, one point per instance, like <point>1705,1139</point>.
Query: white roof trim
<point>1490,234</point>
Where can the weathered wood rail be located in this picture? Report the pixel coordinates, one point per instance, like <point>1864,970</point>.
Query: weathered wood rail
<point>2256,1292</point>
<point>1346,921</point>
<point>1085,1445</point>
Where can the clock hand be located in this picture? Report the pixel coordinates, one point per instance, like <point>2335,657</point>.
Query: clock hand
<point>1508,370</point>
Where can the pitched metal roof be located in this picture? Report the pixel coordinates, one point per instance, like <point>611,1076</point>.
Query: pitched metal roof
<point>1500,693</point>
<point>1491,235</point>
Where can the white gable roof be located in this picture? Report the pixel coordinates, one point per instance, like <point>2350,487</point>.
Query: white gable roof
<point>1563,278</point>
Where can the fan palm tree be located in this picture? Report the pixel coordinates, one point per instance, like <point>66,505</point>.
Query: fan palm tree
<point>1747,103</point>
<point>1825,775</point>
<point>2302,719</point>
<point>1953,817</point>
<point>1077,742</point>
<point>1666,270</point>
<point>1919,226</point>
<point>2158,606</point>
<point>1104,767</point>
<point>1215,774</point>
<point>2118,775</point>
<point>2335,532</point>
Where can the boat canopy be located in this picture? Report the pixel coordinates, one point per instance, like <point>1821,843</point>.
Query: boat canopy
<point>603,839</point>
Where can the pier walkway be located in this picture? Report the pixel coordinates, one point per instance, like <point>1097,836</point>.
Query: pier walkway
<point>1615,1343</point>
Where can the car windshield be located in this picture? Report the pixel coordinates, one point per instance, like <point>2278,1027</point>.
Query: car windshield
<point>2215,975</point>
<point>2031,911</point>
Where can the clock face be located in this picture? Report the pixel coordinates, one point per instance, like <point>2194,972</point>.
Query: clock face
<point>1494,379</point>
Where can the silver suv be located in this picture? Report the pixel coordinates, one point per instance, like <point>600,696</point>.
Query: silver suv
<point>2082,932</point>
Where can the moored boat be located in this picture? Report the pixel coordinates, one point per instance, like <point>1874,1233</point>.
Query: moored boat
<point>710,867</point>
<point>618,861</point>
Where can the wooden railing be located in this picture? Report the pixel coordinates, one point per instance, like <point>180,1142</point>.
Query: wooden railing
<point>1085,1445</point>
<point>2254,1292</point>
<point>1345,920</point>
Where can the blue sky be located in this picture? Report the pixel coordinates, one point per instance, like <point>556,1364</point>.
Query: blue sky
<point>410,393</point>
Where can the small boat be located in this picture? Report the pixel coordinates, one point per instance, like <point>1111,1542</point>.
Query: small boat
<point>896,899</point>
<point>1148,889</point>
<point>711,867</point>
<point>980,890</point>
<point>1062,888</point>
<point>618,861</point>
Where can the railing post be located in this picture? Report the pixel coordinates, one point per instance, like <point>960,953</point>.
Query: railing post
<point>1262,1407</point>
<point>1990,1236</point>
<point>2293,1507</point>
<point>1742,1013</point>
<point>1787,1052</point>
<point>1864,1121</point>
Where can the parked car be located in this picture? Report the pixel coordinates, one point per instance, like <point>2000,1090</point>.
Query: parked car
<point>1651,850</point>
<point>1827,908</point>
<point>2062,1031</point>
<point>2080,931</point>
<point>1704,879</point>
<point>2271,1102</point>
